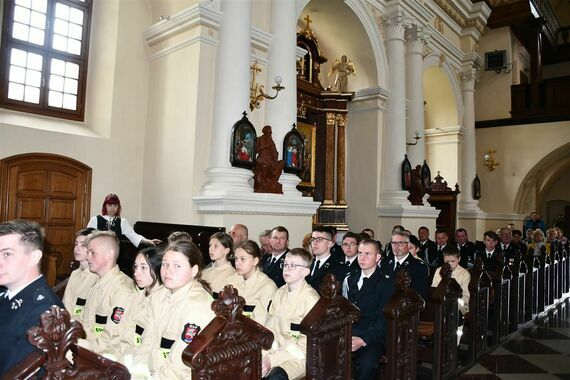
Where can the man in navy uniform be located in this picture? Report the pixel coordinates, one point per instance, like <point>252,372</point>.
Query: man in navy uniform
<point>272,264</point>
<point>428,248</point>
<point>350,243</point>
<point>492,261</point>
<point>369,290</point>
<point>324,262</point>
<point>402,259</point>
<point>24,293</point>
<point>465,247</point>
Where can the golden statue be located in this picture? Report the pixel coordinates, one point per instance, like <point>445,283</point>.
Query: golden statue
<point>343,69</point>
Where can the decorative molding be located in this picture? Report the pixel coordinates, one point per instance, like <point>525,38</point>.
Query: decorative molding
<point>465,14</point>
<point>300,52</point>
<point>369,99</point>
<point>182,44</point>
<point>260,39</point>
<point>424,212</point>
<point>198,14</point>
<point>511,216</point>
<point>255,204</point>
<point>440,44</point>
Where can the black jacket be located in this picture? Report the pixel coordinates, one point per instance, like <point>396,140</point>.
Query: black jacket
<point>274,272</point>
<point>418,271</point>
<point>17,315</point>
<point>332,265</point>
<point>467,252</point>
<point>370,299</point>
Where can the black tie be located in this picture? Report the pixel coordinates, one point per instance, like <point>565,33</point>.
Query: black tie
<point>364,280</point>
<point>397,266</point>
<point>317,265</point>
<point>273,260</point>
<point>489,255</point>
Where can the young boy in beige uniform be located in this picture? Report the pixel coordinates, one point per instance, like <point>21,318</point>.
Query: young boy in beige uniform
<point>291,304</point>
<point>80,279</point>
<point>111,295</point>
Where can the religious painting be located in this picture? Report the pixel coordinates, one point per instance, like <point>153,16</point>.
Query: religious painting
<point>293,151</point>
<point>309,136</point>
<point>242,153</point>
<point>406,174</point>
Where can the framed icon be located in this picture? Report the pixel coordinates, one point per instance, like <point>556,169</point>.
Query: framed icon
<point>242,152</point>
<point>294,151</point>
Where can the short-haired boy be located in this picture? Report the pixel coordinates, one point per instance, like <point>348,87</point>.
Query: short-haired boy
<point>292,302</point>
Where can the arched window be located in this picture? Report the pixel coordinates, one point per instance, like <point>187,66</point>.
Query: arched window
<point>43,58</point>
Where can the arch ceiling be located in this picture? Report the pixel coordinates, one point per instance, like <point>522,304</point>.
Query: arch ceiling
<point>340,32</point>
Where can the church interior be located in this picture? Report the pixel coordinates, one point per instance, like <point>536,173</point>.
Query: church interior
<point>439,113</point>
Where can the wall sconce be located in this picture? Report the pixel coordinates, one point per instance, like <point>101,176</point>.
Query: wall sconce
<point>417,137</point>
<point>256,94</point>
<point>490,161</point>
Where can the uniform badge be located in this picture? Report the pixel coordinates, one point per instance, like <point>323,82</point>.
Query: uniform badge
<point>295,331</point>
<point>189,332</point>
<point>17,303</point>
<point>117,314</point>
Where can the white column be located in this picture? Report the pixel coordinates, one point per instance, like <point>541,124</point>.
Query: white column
<point>231,97</point>
<point>281,112</point>
<point>468,154</point>
<point>394,142</point>
<point>415,41</point>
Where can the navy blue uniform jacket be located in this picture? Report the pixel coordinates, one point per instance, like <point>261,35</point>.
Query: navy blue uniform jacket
<point>17,316</point>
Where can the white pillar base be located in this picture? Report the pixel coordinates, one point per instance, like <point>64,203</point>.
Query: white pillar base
<point>289,183</point>
<point>411,217</point>
<point>222,181</point>
<point>394,198</point>
<point>468,207</point>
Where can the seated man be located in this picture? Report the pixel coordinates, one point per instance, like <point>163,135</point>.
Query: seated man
<point>350,242</point>
<point>324,261</point>
<point>271,263</point>
<point>489,255</point>
<point>462,276</point>
<point>111,295</point>
<point>287,357</point>
<point>369,290</point>
<point>402,259</point>
<point>465,247</point>
<point>81,279</point>
<point>24,293</point>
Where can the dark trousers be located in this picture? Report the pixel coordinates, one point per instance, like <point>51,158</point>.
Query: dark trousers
<point>277,373</point>
<point>365,361</point>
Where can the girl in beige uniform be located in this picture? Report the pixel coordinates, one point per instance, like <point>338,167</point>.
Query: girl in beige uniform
<point>221,250</point>
<point>80,279</point>
<point>253,285</point>
<point>179,312</point>
<point>291,304</point>
<point>119,341</point>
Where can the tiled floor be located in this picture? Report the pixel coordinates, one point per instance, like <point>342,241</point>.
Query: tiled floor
<point>540,352</point>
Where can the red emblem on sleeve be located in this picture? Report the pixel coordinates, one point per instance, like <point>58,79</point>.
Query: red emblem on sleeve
<point>189,332</point>
<point>117,314</point>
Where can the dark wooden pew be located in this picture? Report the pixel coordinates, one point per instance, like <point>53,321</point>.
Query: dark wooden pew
<point>517,292</point>
<point>547,278</point>
<point>532,287</point>
<point>402,314</point>
<point>499,306</point>
<point>229,347</point>
<point>328,327</point>
<point>200,236</point>
<point>476,320</point>
<point>55,337</point>
<point>440,346</point>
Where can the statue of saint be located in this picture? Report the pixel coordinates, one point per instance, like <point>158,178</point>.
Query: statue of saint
<point>268,167</point>
<point>343,69</point>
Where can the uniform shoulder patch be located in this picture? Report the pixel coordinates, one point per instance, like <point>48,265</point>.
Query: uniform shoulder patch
<point>189,332</point>
<point>117,314</point>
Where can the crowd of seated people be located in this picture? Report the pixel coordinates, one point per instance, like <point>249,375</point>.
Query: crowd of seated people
<point>145,322</point>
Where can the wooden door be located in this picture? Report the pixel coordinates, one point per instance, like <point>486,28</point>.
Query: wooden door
<point>51,190</point>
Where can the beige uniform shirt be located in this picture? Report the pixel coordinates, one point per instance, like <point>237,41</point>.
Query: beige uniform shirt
<point>218,277</point>
<point>462,276</point>
<point>126,337</point>
<point>286,312</point>
<point>177,318</point>
<point>75,295</point>
<point>107,300</point>
<point>258,291</point>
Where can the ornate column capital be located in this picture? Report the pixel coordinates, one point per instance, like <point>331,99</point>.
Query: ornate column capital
<point>417,36</point>
<point>395,25</point>
<point>469,76</point>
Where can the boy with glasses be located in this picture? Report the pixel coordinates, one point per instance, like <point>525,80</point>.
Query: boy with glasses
<point>350,242</point>
<point>402,259</point>
<point>292,302</point>
<point>324,262</point>
<point>369,290</point>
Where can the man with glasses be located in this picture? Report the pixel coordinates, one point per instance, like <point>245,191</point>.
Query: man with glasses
<point>324,262</point>
<point>271,264</point>
<point>402,259</point>
<point>350,242</point>
<point>287,357</point>
<point>369,290</point>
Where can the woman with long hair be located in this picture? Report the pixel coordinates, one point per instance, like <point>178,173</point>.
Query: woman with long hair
<point>252,284</point>
<point>221,252</point>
